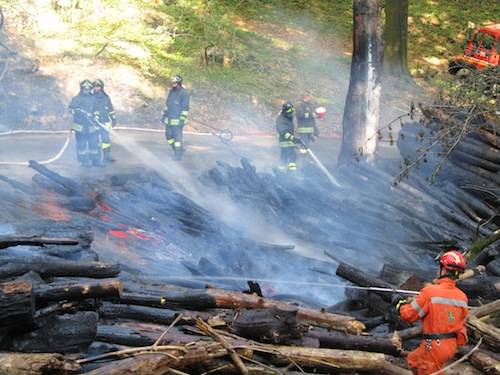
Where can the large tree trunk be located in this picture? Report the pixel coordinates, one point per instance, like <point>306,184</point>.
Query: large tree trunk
<point>396,39</point>
<point>360,122</point>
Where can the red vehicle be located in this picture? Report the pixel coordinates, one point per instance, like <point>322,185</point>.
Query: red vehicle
<point>481,51</point>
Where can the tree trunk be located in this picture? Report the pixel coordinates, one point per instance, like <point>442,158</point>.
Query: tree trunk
<point>361,113</point>
<point>17,303</point>
<point>396,39</point>
<point>36,364</point>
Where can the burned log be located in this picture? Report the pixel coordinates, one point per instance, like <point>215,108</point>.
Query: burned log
<point>106,288</point>
<point>141,313</point>
<point>493,267</point>
<point>360,278</point>
<point>44,183</point>
<point>153,363</point>
<point>485,361</point>
<point>44,232</point>
<point>212,298</point>
<point>200,352</point>
<point>36,364</point>
<point>408,333</point>
<point>312,358</point>
<point>67,333</point>
<point>121,335</point>
<point>48,266</point>
<point>481,287</point>
<point>272,325</point>
<point>485,256</point>
<point>398,275</point>
<point>65,182</point>
<point>161,315</point>
<point>339,340</point>
<point>17,303</point>
<point>477,322</point>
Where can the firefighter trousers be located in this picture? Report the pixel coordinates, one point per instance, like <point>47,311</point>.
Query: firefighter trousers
<point>105,141</point>
<point>431,355</point>
<point>87,146</point>
<point>288,158</point>
<point>173,133</point>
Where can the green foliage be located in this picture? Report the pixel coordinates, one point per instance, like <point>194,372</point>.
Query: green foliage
<point>264,49</point>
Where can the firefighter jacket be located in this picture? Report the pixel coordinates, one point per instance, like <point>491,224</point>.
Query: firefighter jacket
<point>443,309</point>
<point>82,107</point>
<point>177,109</point>
<point>284,127</point>
<point>305,118</point>
<point>103,109</point>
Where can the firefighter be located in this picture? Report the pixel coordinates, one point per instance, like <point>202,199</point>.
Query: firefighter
<point>87,142</point>
<point>442,307</point>
<point>175,115</point>
<point>105,115</point>
<point>287,140</point>
<point>306,124</point>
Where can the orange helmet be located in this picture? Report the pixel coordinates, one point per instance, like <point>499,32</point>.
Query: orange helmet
<point>453,261</point>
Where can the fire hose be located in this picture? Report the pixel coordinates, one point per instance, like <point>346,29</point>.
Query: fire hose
<point>291,282</point>
<point>319,164</point>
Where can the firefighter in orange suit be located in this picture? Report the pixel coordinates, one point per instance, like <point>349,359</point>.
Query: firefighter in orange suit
<point>442,307</point>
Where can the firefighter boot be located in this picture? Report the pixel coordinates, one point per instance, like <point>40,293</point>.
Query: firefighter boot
<point>178,151</point>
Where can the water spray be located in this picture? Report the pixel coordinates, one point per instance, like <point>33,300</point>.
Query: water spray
<point>320,165</point>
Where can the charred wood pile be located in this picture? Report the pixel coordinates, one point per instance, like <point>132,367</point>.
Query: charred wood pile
<point>55,321</point>
<point>65,314</point>
<point>180,291</point>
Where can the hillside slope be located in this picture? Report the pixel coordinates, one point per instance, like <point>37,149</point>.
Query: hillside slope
<point>240,59</point>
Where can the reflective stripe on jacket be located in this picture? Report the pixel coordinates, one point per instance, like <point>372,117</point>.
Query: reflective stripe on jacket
<point>177,106</point>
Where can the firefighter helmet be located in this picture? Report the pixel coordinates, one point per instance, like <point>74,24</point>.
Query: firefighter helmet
<point>287,109</point>
<point>320,112</point>
<point>98,83</point>
<point>453,260</point>
<point>85,84</point>
<point>177,79</point>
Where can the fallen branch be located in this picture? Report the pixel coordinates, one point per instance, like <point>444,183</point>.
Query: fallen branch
<point>234,356</point>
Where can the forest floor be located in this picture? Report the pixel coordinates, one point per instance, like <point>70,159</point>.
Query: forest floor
<point>269,54</point>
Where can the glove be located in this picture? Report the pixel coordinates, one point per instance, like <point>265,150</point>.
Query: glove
<point>398,300</point>
<point>296,141</point>
<point>164,118</point>
<point>113,122</point>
